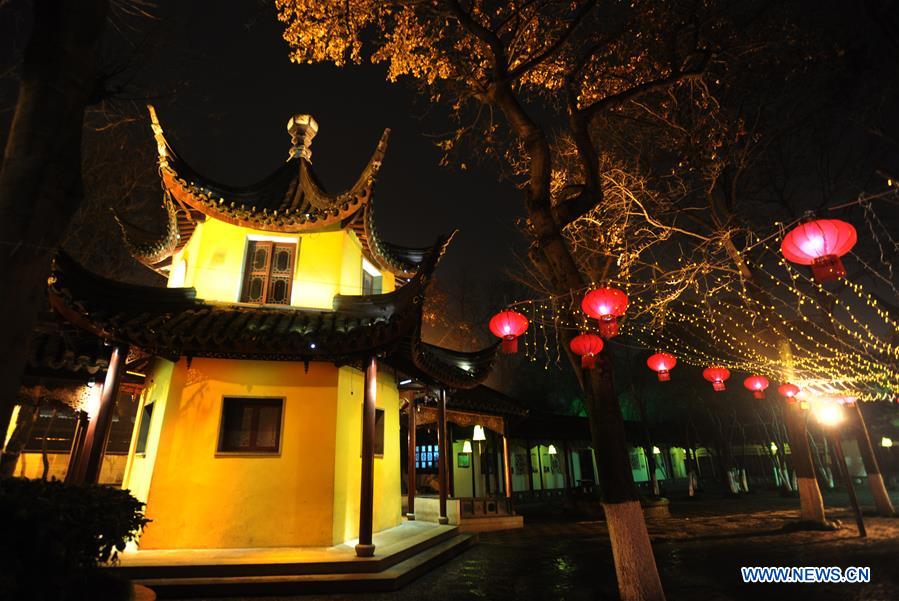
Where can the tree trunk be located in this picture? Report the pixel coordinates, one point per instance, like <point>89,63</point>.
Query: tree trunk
<point>635,567</point>
<point>872,469</point>
<point>40,182</point>
<point>811,503</point>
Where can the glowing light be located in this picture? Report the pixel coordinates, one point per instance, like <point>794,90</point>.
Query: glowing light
<point>508,325</point>
<point>773,448</point>
<point>656,451</point>
<point>757,384</point>
<point>587,346</point>
<point>406,381</point>
<point>466,447</point>
<point>551,450</point>
<point>828,413</point>
<point>820,243</point>
<point>716,375</point>
<point>479,433</point>
<point>661,363</point>
<point>788,390</point>
<point>886,442</point>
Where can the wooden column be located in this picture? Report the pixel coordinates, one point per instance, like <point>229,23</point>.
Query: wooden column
<point>442,454</point>
<point>494,462</point>
<point>450,472</point>
<point>566,466</point>
<point>507,467</point>
<point>540,468</point>
<point>365,548</point>
<point>90,458</point>
<point>530,465</point>
<point>410,465</point>
<point>77,445</point>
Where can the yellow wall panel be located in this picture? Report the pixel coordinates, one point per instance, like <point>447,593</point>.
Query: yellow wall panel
<point>348,462</point>
<point>200,499</point>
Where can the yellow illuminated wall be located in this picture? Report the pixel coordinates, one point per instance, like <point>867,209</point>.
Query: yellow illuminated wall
<point>328,263</point>
<point>307,495</point>
<point>139,467</point>
<point>348,463</point>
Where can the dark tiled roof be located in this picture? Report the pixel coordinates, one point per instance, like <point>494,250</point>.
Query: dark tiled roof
<point>437,366</point>
<point>483,399</point>
<point>56,347</point>
<point>171,322</point>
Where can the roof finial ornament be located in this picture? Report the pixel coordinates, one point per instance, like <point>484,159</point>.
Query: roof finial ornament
<point>302,128</point>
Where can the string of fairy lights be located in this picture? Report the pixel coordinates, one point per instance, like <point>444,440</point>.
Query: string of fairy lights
<point>843,338</point>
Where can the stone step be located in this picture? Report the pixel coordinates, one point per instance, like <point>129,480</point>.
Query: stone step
<point>391,578</point>
<point>192,569</point>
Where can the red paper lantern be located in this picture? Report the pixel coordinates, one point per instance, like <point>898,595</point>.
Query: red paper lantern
<point>757,384</point>
<point>661,363</point>
<point>716,375</point>
<point>587,346</point>
<point>509,325</point>
<point>820,243</point>
<point>606,305</point>
<point>789,391</point>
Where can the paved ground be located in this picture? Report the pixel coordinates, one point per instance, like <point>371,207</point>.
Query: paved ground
<point>699,552</point>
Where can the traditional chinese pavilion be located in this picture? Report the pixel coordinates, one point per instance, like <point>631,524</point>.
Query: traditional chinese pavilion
<point>270,415</point>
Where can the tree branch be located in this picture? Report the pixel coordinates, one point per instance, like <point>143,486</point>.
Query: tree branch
<point>535,60</point>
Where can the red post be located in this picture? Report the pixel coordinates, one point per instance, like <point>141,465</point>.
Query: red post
<point>90,458</point>
<point>410,466</point>
<point>77,445</point>
<point>507,468</point>
<point>442,455</point>
<point>365,548</point>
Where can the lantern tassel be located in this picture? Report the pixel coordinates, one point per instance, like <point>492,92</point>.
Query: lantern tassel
<point>588,361</point>
<point>608,328</point>
<point>510,345</point>
<point>718,386</point>
<point>828,268</point>
<point>664,375</point>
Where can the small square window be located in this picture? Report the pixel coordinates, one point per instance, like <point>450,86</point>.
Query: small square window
<point>250,425</point>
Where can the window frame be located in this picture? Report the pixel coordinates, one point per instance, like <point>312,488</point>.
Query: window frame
<point>250,452</point>
<point>273,244</point>
<point>143,428</point>
<point>374,276</point>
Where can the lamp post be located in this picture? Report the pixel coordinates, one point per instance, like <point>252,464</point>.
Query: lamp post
<point>830,415</point>
<point>466,448</point>
<point>478,436</point>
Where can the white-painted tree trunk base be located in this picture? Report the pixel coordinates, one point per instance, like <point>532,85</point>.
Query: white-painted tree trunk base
<point>881,497</point>
<point>811,504</point>
<point>635,565</point>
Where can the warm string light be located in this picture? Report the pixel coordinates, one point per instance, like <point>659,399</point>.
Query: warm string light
<point>844,355</point>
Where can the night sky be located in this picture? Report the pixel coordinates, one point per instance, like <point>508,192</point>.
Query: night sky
<point>235,90</point>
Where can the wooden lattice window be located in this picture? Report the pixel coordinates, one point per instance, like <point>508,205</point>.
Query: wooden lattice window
<point>268,273</point>
<point>250,425</point>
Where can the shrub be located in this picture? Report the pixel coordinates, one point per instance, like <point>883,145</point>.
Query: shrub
<point>54,537</point>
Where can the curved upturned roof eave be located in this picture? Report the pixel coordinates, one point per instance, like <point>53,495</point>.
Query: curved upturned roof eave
<point>289,200</point>
<point>172,322</point>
